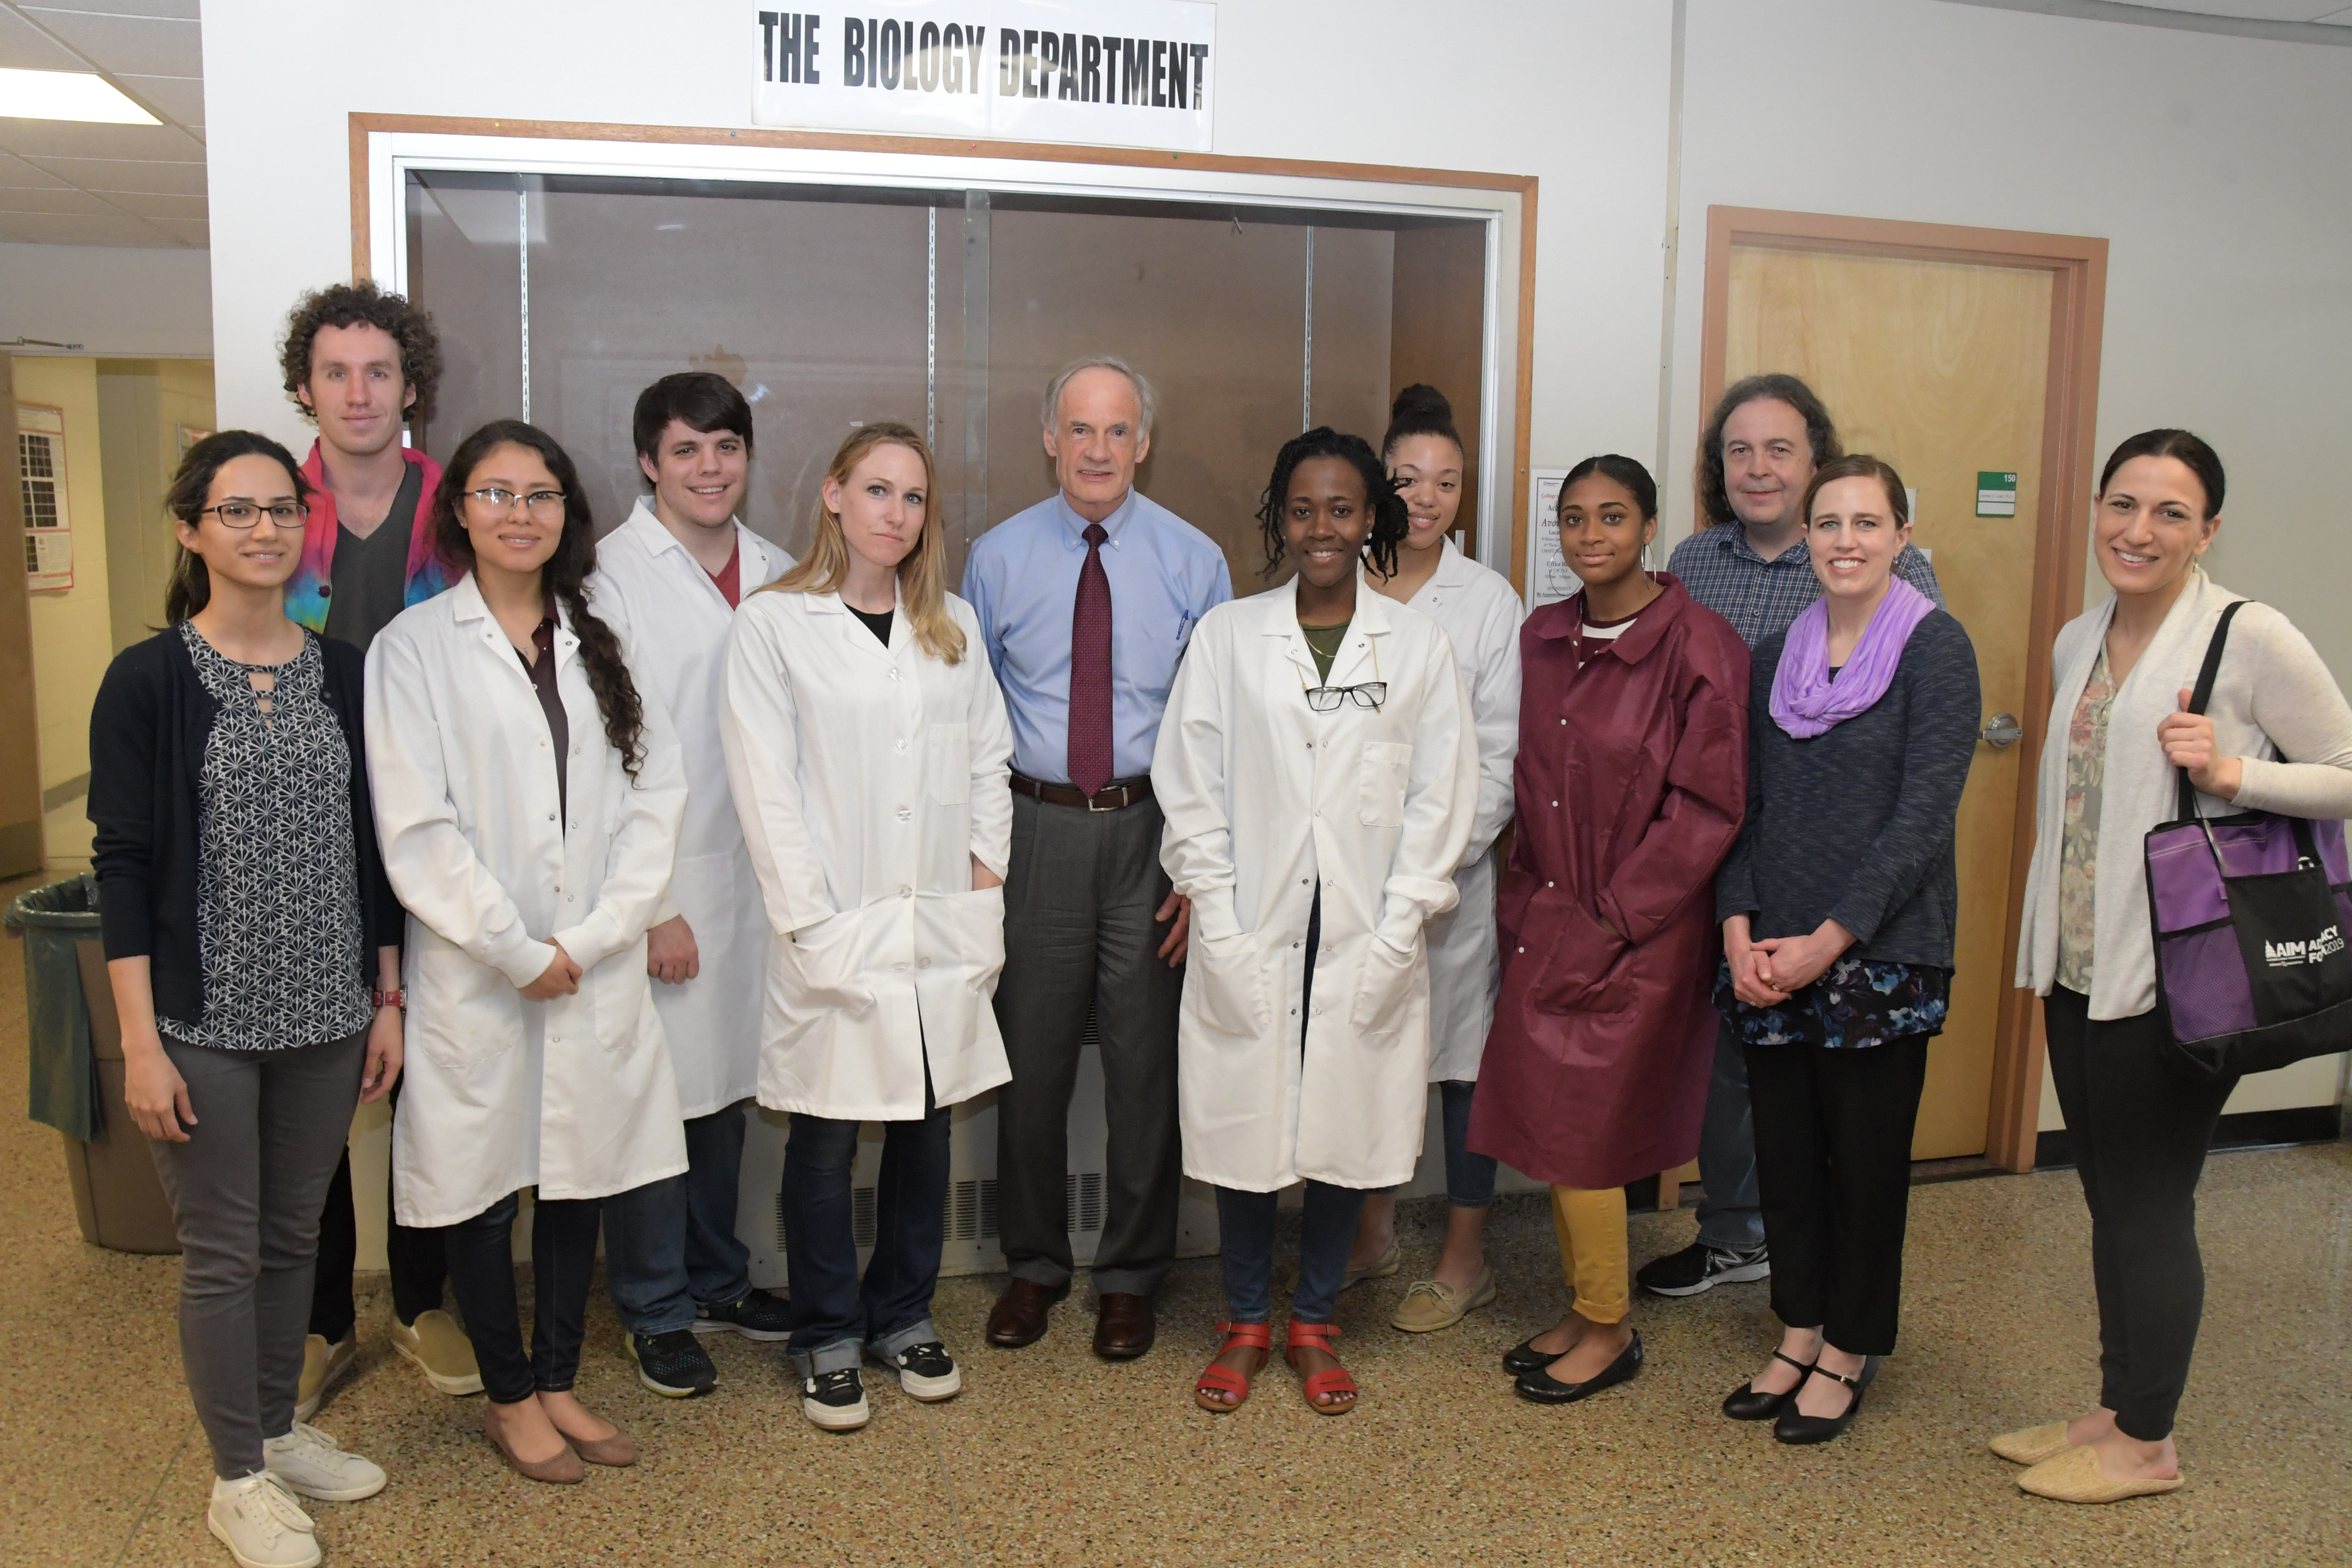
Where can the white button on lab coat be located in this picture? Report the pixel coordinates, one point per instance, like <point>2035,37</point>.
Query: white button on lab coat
<point>867,778</point>
<point>1264,797</point>
<point>673,622</point>
<point>575,1095</point>
<point>1481,613</point>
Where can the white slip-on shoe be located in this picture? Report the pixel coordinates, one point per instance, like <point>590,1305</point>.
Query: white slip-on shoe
<point>306,1460</point>
<point>260,1525</point>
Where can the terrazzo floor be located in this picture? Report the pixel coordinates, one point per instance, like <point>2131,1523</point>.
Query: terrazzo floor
<point>1051,1457</point>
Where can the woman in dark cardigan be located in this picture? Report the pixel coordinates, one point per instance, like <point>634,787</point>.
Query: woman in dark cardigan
<point>244,912</point>
<point>1838,906</point>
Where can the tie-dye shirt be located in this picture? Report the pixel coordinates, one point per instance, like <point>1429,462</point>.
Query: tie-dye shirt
<point>308,590</point>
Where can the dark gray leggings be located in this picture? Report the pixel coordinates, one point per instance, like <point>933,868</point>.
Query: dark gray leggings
<point>246,1188</point>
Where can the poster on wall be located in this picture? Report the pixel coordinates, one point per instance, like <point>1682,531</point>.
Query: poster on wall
<point>1548,577</point>
<point>48,529</point>
<point>1117,73</point>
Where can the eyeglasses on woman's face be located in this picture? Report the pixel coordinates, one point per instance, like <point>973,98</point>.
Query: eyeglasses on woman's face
<point>245,514</point>
<point>546,506</point>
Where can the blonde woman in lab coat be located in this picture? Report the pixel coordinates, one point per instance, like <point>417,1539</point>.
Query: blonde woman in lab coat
<point>867,749</point>
<point>1319,771</point>
<point>528,802</point>
<point>1481,613</point>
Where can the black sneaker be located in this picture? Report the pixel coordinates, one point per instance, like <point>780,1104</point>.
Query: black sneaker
<point>835,1400</point>
<point>1700,1268</point>
<point>926,1371</point>
<point>673,1365</point>
<point>759,1316</point>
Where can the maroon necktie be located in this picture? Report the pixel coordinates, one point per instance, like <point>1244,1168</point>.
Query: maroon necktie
<point>1091,743</point>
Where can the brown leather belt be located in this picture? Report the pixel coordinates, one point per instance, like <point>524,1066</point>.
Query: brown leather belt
<point>1111,798</point>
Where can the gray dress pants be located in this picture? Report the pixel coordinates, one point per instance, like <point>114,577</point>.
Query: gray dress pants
<point>1080,898</point>
<point>246,1189</point>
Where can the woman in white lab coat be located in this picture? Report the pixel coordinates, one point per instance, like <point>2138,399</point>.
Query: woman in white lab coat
<point>1319,771</point>
<point>868,750</point>
<point>1481,613</point>
<point>528,802</point>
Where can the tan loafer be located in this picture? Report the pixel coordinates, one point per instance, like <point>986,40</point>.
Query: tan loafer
<point>323,1367</point>
<point>1379,1267</point>
<point>617,1449</point>
<point>561,1468</point>
<point>2073,1477</point>
<point>440,1349</point>
<point>1431,1304</point>
<point>2033,1445</point>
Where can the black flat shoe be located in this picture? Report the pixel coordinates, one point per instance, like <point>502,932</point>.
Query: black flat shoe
<point>1524,1357</point>
<point>1542,1387</point>
<point>1749,1403</point>
<point>1793,1426</point>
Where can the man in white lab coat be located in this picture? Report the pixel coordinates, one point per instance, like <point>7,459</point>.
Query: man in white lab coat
<point>667,582</point>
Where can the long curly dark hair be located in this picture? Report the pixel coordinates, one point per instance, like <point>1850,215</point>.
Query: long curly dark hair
<point>191,588</point>
<point>566,572</point>
<point>362,304</point>
<point>1821,435</point>
<point>1390,521</point>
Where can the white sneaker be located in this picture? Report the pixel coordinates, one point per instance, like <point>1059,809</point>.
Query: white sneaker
<point>260,1525</point>
<point>306,1460</point>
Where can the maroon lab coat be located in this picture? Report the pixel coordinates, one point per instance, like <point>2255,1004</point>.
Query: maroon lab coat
<point>1630,781</point>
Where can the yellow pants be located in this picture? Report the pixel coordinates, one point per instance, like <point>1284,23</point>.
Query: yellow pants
<point>1591,1226</point>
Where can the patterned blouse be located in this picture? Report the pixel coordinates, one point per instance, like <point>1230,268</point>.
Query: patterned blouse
<point>1857,1003</point>
<point>2078,843</point>
<point>277,904</point>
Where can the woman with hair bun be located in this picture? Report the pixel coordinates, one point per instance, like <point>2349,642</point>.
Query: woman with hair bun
<point>1480,611</point>
<point>528,801</point>
<point>1631,784</point>
<point>1318,767</point>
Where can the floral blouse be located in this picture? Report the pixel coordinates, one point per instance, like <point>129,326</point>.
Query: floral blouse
<point>2078,843</point>
<point>1856,1004</point>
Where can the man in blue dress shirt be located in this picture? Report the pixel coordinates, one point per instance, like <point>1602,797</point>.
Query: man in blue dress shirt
<point>1085,603</point>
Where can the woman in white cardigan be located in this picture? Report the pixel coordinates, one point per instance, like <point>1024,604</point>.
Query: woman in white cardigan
<point>868,751</point>
<point>2117,731</point>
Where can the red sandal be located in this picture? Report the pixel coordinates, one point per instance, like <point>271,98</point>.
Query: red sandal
<point>1215,1379</point>
<point>1318,1336</point>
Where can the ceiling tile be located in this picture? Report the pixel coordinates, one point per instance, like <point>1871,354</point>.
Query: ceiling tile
<point>19,200</point>
<point>180,97</point>
<point>99,228</point>
<point>185,10</point>
<point>2246,10</point>
<point>23,48</point>
<point>193,230</point>
<point>129,174</point>
<point>2336,18</point>
<point>68,138</point>
<point>148,204</point>
<point>147,46</point>
<point>18,175</point>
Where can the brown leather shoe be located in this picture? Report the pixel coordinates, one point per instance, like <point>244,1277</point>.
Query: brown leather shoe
<point>1019,1316</point>
<point>1123,1326</point>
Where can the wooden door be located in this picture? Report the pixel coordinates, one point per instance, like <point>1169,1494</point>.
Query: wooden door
<point>1941,368</point>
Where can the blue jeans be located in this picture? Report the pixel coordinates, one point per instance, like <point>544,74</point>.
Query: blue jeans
<point>1731,1214</point>
<point>836,1319</point>
<point>671,1244</point>
<point>1469,1178</point>
<point>1245,1242</point>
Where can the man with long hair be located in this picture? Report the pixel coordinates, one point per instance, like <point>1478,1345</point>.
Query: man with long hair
<point>1747,562</point>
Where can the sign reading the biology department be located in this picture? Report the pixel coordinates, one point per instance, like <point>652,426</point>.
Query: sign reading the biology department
<point>1127,73</point>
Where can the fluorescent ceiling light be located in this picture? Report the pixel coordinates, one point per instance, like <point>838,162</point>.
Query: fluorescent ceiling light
<point>67,95</point>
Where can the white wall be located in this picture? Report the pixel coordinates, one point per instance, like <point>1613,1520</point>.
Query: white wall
<point>111,300</point>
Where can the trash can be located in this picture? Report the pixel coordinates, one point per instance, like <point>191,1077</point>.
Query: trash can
<point>77,1070</point>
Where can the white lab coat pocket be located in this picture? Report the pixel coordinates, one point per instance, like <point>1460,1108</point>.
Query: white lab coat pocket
<point>461,1013</point>
<point>1386,772</point>
<point>621,992</point>
<point>947,763</point>
<point>1385,987</point>
<point>1227,987</point>
<point>831,964</point>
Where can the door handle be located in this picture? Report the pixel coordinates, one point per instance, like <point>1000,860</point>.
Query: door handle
<point>2002,731</point>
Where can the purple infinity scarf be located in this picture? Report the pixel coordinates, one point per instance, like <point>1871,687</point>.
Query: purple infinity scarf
<point>1805,701</point>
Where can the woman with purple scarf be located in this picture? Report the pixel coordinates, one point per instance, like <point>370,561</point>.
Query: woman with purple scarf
<point>1838,906</point>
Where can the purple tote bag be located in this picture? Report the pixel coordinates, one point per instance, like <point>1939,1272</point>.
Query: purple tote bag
<point>2250,914</point>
